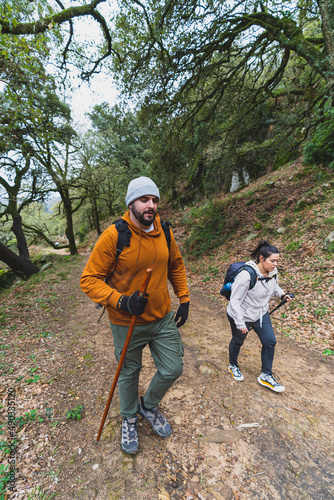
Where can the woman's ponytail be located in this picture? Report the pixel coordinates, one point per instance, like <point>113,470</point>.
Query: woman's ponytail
<point>265,249</point>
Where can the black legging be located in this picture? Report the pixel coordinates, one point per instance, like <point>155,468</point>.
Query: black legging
<point>266,335</point>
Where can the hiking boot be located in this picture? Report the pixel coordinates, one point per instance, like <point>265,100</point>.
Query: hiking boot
<point>159,423</point>
<point>129,441</point>
<point>270,382</point>
<point>234,369</point>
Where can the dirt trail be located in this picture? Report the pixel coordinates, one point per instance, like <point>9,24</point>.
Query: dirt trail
<point>230,440</point>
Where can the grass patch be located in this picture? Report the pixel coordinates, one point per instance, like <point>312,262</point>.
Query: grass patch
<point>207,227</point>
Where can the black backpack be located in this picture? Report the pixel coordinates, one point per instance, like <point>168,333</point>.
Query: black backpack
<point>124,237</point>
<point>234,269</point>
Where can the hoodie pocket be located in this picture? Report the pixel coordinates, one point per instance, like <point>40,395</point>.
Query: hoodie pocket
<point>159,304</point>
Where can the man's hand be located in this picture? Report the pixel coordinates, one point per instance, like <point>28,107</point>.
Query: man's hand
<point>182,314</point>
<point>135,304</point>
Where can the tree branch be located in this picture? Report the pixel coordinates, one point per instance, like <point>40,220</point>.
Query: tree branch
<point>45,23</point>
<point>39,232</point>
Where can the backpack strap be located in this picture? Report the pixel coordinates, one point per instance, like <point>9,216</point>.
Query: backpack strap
<point>255,277</point>
<point>166,227</point>
<point>124,235</point>
<point>123,240</point>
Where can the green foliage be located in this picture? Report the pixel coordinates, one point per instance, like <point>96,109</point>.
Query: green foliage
<point>82,232</point>
<point>293,246</point>
<point>3,445</point>
<point>33,380</point>
<point>39,494</point>
<point>330,248</point>
<point>329,221</point>
<point>29,416</point>
<point>321,311</point>
<point>198,123</point>
<point>36,138</point>
<point>4,480</point>
<point>320,149</point>
<point>328,352</point>
<point>207,228</point>
<point>46,335</point>
<point>7,278</point>
<point>250,202</point>
<point>210,122</point>
<point>75,413</point>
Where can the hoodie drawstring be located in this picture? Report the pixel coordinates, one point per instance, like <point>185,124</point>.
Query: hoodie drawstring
<point>154,248</point>
<point>155,251</point>
<point>139,246</point>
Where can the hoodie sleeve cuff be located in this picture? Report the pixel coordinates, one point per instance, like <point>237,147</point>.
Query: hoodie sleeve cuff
<point>241,326</point>
<point>184,299</point>
<point>114,299</point>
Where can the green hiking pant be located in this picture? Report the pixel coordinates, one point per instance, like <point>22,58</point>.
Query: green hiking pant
<point>166,348</point>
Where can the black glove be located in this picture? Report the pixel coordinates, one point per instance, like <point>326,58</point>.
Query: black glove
<point>182,314</point>
<point>135,304</point>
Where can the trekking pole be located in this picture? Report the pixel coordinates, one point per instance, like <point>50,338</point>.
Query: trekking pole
<point>281,303</point>
<point>125,348</point>
<point>277,307</point>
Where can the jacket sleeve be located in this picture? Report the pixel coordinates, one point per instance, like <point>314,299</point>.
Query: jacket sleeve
<point>239,291</point>
<point>177,272</point>
<point>278,291</point>
<point>100,264</point>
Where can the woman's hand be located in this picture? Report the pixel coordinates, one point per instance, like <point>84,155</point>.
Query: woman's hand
<point>287,297</point>
<point>244,330</point>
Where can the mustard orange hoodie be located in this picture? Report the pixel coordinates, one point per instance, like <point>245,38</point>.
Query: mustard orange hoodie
<point>146,250</point>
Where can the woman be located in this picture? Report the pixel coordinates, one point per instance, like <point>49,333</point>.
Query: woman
<point>249,308</point>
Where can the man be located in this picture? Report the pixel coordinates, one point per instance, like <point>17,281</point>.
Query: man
<point>155,325</point>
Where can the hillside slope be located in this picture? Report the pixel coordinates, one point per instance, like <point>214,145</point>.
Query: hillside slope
<point>293,208</point>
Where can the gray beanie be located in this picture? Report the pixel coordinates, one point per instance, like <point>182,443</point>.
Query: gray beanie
<point>142,186</point>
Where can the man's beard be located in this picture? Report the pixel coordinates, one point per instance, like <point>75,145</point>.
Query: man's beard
<point>140,216</point>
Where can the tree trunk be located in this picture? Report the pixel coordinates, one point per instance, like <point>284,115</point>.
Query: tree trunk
<point>96,219</point>
<point>18,264</point>
<point>20,237</point>
<point>69,224</point>
<point>66,199</point>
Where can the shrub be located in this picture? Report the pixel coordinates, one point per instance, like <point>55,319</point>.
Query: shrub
<point>320,149</point>
<point>208,228</point>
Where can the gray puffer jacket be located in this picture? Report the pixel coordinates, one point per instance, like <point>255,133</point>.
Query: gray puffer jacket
<point>251,305</point>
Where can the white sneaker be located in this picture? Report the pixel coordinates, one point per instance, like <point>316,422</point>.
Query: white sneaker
<point>234,369</point>
<point>270,382</point>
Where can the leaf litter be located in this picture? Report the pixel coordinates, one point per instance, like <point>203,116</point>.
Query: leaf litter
<point>224,433</point>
